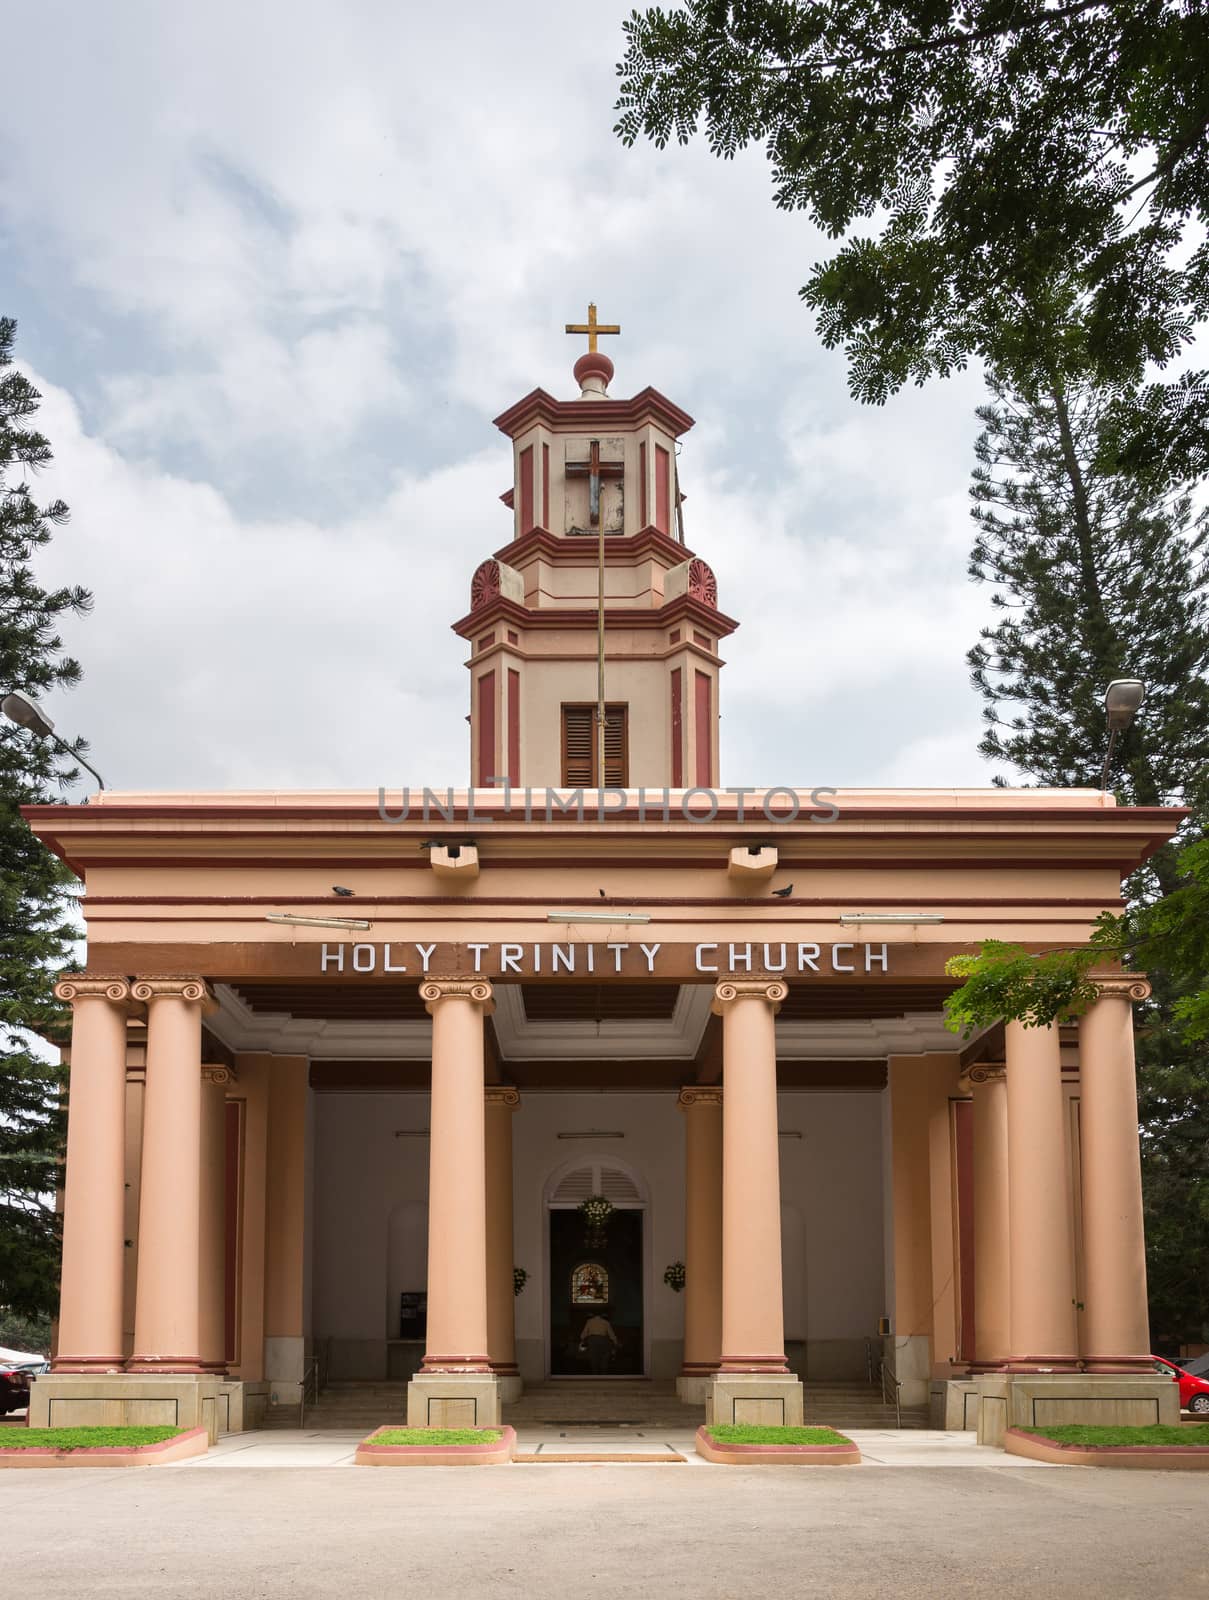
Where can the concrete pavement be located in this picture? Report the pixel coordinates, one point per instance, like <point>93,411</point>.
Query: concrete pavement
<point>308,1531</point>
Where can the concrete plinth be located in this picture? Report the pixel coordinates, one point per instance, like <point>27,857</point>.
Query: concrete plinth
<point>453,1400</point>
<point>953,1404</point>
<point>168,1400</point>
<point>1040,1399</point>
<point>766,1399</point>
<point>511,1388</point>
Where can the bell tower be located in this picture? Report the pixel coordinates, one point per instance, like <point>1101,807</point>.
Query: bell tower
<point>596,582</point>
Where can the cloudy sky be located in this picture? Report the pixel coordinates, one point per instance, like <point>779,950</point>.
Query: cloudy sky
<point>276,267</point>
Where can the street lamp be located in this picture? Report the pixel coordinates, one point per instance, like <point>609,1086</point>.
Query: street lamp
<point>1122,700</point>
<point>27,713</point>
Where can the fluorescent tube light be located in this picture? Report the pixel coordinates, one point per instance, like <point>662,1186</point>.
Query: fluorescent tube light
<point>849,919</point>
<point>598,916</point>
<point>346,923</point>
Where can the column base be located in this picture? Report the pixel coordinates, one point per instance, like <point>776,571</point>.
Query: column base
<point>453,1400</point>
<point>953,1404</point>
<point>1033,1399</point>
<point>764,1398</point>
<point>89,1364</point>
<point>511,1387</point>
<point>126,1400</point>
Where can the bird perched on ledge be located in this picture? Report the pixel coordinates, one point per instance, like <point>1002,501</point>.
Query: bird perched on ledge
<point>783,894</point>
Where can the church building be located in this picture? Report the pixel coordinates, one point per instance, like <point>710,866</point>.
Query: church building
<point>603,1066</point>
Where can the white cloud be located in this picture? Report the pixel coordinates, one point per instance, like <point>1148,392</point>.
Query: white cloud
<point>300,256</point>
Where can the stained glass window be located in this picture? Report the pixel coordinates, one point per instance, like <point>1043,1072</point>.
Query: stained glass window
<point>589,1285</point>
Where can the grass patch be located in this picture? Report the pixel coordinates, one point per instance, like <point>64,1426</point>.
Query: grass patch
<point>432,1436</point>
<point>752,1433</point>
<point>1155,1433</point>
<point>83,1438</point>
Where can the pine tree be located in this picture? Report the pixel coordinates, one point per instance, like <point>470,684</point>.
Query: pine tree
<point>1098,578</point>
<point>36,924</point>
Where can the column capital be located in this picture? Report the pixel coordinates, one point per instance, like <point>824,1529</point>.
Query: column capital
<point>705,1094</point>
<point>187,987</point>
<point>1122,986</point>
<point>502,1094</point>
<point>217,1072</point>
<point>731,990</point>
<point>88,986</point>
<point>477,990</point>
<point>986,1072</point>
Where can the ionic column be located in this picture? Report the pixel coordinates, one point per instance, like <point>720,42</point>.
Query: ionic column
<point>1116,1324</point>
<point>753,1318</point>
<point>167,1334</point>
<point>702,1109</point>
<point>457,1185</point>
<point>213,1241</point>
<point>90,1297</point>
<point>992,1334</point>
<point>1041,1244</point>
<point>500,1103</point>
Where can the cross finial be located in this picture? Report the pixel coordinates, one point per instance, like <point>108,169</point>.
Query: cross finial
<point>592,328</point>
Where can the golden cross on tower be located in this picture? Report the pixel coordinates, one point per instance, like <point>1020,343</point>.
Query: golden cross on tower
<point>591,327</point>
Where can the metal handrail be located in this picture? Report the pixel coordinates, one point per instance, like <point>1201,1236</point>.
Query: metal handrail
<point>897,1382</point>
<point>310,1379</point>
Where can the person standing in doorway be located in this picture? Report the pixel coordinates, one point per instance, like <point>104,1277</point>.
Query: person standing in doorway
<point>599,1340</point>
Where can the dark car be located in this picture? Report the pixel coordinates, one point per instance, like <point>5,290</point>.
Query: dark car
<point>15,1382</point>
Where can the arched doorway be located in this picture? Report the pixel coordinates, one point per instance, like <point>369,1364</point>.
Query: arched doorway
<point>596,1270</point>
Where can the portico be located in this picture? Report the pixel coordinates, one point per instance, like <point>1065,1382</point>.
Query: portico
<point>310,1126</point>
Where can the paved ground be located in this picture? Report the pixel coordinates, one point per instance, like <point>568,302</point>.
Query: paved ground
<point>297,1528</point>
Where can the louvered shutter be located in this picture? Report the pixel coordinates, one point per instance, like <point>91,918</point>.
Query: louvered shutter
<point>579,746</point>
<point>616,751</point>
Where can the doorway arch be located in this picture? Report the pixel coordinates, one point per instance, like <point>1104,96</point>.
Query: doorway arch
<point>620,1261</point>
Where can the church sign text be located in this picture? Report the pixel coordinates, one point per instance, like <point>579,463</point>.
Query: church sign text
<point>635,959</point>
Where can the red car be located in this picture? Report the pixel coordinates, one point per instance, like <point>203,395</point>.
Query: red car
<point>1194,1392</point>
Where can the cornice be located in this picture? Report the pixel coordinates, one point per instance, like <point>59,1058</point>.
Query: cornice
<point>567,551</point>
<point>682,607</point>
<point>579,416</point>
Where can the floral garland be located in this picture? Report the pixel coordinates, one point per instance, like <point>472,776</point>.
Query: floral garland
<point>674,1276</point>
<point>519,1279</point>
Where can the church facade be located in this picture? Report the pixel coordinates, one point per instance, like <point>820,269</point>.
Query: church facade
<point>412,1085</point>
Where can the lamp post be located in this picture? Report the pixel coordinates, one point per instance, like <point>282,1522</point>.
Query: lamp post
<point>1122,700</point>
<point>27,713</point>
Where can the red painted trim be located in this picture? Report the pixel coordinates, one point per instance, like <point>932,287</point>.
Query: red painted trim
<point>526,487</point>
<point>703,728</point>
<point>677,727</point>
<point>486,728</point>
<point>642,487</point>
<point>663,478</point>
<point>681,863</point>
<point>514,726</point>
<point>571,416</point>
<point>580,617</point>
<point>562,551</point>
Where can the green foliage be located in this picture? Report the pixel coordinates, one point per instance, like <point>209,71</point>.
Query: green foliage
<point>18,1332</point>
<point>1006,982</point>
<point>753,1433</point>
<point>1095,575</point>
<point>428,1437</point>
<point>1156,1433</point>
<point>36,930</point>
<point>82,1438</point>
<point>1025,184</point>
